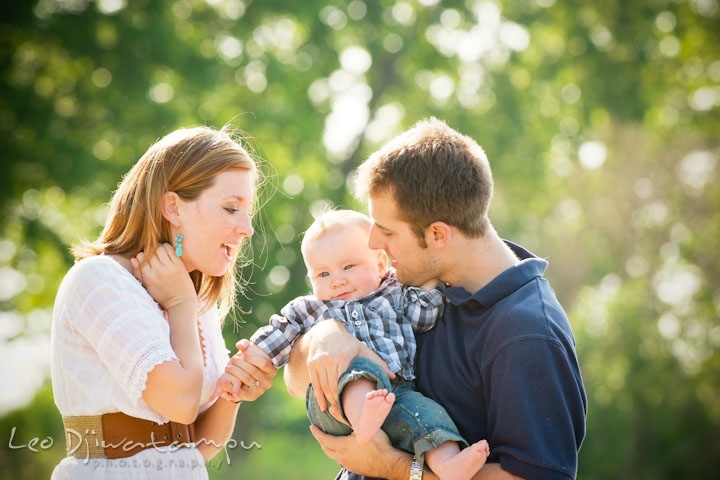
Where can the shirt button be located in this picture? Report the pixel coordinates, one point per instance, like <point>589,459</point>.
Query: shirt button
<point>358,323</point>
<point>354,314</point>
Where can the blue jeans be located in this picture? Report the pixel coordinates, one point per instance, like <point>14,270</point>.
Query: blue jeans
<point>415,423</point>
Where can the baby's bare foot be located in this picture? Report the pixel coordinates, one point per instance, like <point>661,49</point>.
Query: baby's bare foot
<point>374,412</point>
<point>465,464</point>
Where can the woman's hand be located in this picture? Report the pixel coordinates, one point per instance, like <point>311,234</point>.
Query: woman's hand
<point>254,370</point>
<point>165,278</point>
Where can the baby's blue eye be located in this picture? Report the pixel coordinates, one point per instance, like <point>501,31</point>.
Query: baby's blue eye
<point>324,274</point>
<point>348,267</point>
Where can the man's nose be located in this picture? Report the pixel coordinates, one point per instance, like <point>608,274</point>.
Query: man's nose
<point>374,242</point>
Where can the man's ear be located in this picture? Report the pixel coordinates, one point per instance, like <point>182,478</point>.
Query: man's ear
<point>170,207</point>
<point>382,260</point>
<point>438,234</point>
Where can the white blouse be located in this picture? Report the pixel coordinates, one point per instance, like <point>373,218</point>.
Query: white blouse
<point>107,335</point>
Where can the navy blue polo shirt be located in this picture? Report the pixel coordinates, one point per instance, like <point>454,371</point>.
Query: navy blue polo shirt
<point>502,362</point>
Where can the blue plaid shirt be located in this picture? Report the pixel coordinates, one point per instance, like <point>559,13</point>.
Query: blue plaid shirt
<point>384,320</point>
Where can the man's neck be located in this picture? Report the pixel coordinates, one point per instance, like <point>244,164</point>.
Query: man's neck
<point>475,262</point>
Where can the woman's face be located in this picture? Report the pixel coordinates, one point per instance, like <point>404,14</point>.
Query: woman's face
<point>214,224</point>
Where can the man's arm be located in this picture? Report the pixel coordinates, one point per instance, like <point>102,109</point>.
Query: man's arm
<point>321,356</point>
<point>325,351</point>
<point>374,459</point>
<point>296,374</point>
<point>380,459</point>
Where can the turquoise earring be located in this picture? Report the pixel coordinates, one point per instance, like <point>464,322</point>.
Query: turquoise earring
<point>178,246</point>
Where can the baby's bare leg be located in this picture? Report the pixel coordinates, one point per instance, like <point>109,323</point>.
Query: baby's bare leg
<point>449,463</point>
<point>366,408</point>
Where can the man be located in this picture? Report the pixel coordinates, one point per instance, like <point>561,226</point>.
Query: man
<point>502,358</point>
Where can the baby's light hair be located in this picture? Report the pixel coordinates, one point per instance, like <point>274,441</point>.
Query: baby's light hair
<point>333,220</point>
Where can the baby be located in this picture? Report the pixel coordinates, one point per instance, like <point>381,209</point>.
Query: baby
<point>352,283</point>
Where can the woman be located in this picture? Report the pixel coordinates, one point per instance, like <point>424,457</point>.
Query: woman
<point>136,335</point>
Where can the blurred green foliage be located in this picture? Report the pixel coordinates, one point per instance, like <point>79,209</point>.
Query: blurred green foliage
<point>600,121</point>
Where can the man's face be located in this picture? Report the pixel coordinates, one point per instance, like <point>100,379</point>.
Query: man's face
<point>414,264</point>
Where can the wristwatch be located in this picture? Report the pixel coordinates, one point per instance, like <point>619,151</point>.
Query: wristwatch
<point>415,470</point>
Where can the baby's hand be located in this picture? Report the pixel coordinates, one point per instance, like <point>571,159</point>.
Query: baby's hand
<point>228,387</point>
<point>430,284</point>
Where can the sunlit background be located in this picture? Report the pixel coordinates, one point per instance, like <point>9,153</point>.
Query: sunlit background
<point>600,120</point>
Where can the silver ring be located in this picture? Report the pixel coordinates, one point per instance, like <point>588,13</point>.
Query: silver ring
<point>255,384</point>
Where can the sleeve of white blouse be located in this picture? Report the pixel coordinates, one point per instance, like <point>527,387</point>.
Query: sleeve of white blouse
<point>119,319</point>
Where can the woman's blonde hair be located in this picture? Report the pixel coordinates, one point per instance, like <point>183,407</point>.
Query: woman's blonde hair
<point>186,162</point>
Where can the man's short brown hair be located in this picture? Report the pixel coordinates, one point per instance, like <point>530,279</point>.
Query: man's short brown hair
<point>434,173</point>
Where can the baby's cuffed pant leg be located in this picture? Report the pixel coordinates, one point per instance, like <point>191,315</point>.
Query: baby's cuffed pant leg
<point>418,424</point>
<point>360,367</point>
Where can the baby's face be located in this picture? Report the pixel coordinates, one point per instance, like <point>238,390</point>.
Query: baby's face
<point>342,267</point>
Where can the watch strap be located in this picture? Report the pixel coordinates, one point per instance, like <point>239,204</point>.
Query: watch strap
<point>416,472</point>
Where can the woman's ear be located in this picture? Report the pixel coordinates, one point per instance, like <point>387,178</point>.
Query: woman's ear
<point>170,207</point>
<point>382,260</point>
<point>438,234</point>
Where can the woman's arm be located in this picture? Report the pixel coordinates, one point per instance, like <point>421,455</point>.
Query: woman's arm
<point>173,388</point>
<point>214,426</point>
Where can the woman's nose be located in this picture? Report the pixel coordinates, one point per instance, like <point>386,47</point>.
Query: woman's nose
<point>244,226</point>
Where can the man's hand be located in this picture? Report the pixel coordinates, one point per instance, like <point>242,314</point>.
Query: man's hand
<point>374,459</point>
<point>331,348</point>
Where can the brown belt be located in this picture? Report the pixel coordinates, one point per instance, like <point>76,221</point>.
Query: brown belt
<point>116,435</point>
